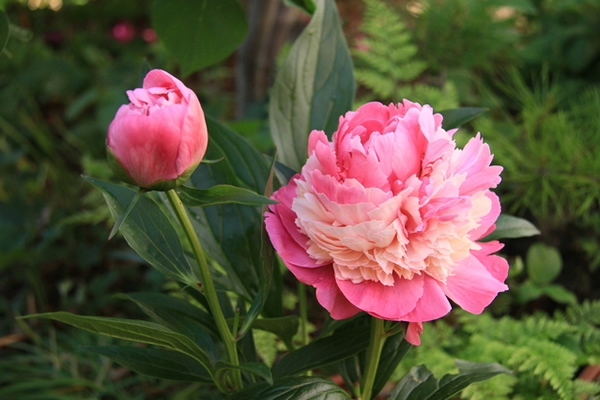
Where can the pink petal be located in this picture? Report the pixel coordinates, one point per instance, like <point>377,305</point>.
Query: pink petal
<point>328,294</point>
<point>387,302</point>
<point>433,304</point>
<point>486,224</point>
<point>472,286</point>
<point>496,265</point>
<point>413,333</point>
<point>146,146</point>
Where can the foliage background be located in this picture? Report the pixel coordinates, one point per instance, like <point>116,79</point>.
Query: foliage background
<point>534,64</point>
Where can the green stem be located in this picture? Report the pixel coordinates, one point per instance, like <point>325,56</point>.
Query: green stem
<point>208,285</point>
<point>374,354</point>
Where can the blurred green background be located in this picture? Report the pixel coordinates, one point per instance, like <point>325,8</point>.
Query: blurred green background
<point>535,65</point>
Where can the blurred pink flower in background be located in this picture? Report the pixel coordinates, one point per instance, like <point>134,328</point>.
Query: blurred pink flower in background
<point>123,31</point>
<point>386,218</point>
<point>149,35</point>
<point>157,140</point>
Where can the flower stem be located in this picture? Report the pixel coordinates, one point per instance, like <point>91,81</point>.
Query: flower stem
<point>208,285</point>
<point>376,342</point>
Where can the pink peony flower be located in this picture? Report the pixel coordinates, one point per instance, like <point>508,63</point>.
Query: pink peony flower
<point>385,218</point>
<point>123,32</point>
<point>157,140</point>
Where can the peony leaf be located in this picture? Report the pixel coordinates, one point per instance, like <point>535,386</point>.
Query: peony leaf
<point>509,227</point>
<point>342,344</point>
<point>420,384</point>
<point>267,253</point>
<point>4,31</point>
<point>231,233</point>
<point>544,263</point>
<point>394,350</point>
<point>220,194</point>
<point>180,316</point>
<point>158,363</point>
<point>125,213</point>
<point>259,369</point>
<point>284,327</point>
<point>308,6</point>
<point>199,33</point>
<point>469,372</point>
<point>313,88</point>
<point>293,388</point>
<point>139,331</point>
<point>456,117</point>
<point>148,231</point>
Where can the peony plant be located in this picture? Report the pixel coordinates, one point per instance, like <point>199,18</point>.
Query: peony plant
<point>375,208</point>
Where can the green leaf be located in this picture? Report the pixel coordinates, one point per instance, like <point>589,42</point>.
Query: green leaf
<point>394,350</point>
<point>509,227</point>
<point>148,231</point>
<point>230,233</point>
<point>544,263</point>
<point>559,294</point>
<point>4,31</point>
<point>341,344</point>
<point>221,194</point>
<point>180,316</point>
<point>469,372</point>
<point>308,6</point>
<point>313,88</point>
<point>420,384</point>
<point>293,388</point>
<point>242,163</point>
<point>125,213</point>
<point>139,331</point>
<point>456,117</point>
<point>284,327</point>
<point>267,253</point>
<point>199,33</point>
<point>158,363</point>
<point>259,369</point>
<point>283,173</point>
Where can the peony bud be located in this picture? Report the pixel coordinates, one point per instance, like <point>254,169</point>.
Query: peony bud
<point>157,140</point>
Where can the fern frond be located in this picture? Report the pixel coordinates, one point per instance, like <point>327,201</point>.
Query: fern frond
<point>386,62</point>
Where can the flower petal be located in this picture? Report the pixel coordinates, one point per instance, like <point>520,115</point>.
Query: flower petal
<point>472,286</point>
<point>433,304</point>
<point>387,302</point>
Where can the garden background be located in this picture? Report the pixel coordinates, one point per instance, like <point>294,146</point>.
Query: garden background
<point>534,65</point>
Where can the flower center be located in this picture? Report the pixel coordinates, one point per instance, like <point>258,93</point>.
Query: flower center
<point>146,101</point>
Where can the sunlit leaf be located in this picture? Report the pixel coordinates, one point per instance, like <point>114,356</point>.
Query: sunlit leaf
<point>314,86</point>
